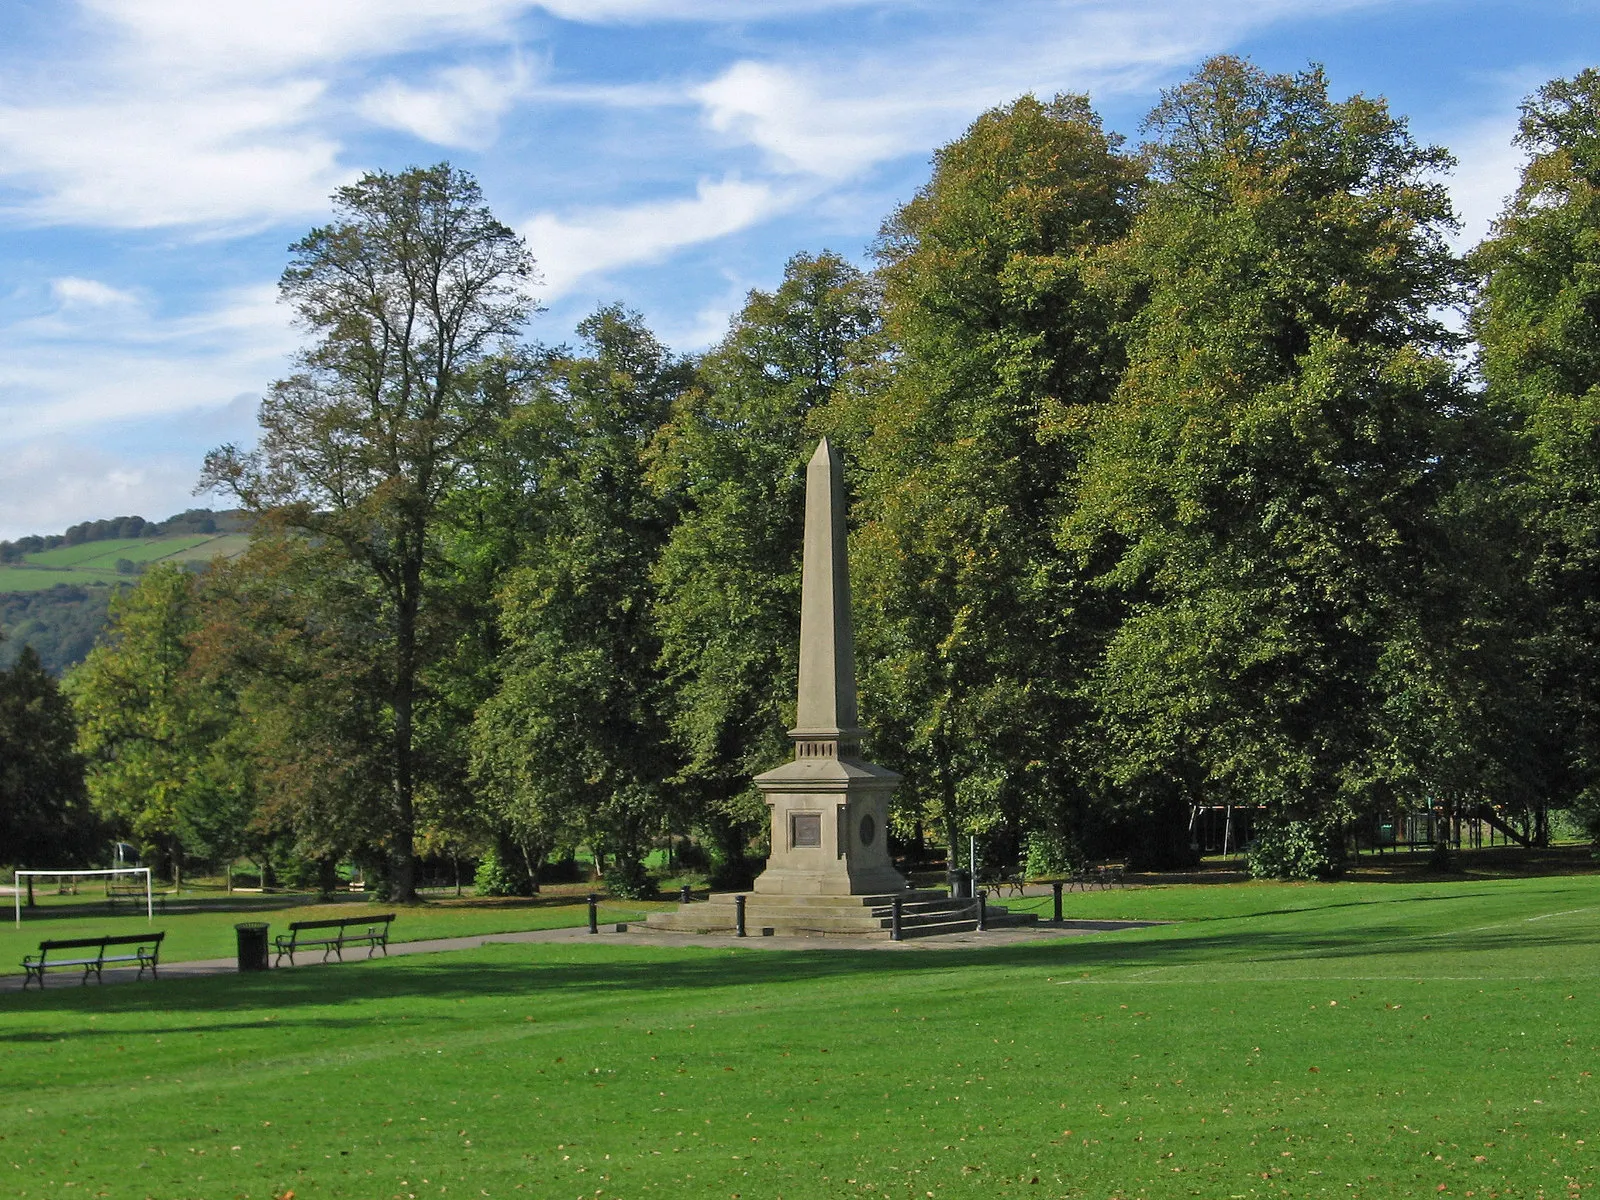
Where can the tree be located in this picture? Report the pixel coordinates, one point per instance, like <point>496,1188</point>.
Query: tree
<point>969,622</point>
<point>45,817</point>
<point>156,735</point>
<point>733,453</point>
<point>575,737</point>
<point>414,295</point>
<point>1271,491</point>
<point>1537,323</point>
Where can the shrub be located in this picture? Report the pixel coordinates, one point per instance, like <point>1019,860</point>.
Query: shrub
<point>1049,854</point>
<point>630,881</point>
<point>1288,849</point>
<point>495,877</point>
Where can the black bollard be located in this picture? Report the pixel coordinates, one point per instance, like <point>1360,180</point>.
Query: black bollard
<point>594,913</point>
<point>983,911</point>
<point>738,916</point>
<point>1056,888</point>
<point>894,920</point>
<point>683,894</point>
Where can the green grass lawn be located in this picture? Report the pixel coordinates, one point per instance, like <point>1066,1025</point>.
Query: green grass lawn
<point>1337,1040</point>
<point>210,934</point>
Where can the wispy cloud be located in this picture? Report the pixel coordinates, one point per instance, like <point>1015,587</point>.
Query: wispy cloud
<point>573,247</point>
<point>460,107</point>
<point>90,365</point>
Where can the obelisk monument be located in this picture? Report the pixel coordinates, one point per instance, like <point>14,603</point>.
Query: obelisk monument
<point>830,809</point>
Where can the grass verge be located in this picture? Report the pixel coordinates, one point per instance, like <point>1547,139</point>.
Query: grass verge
<point>209,932</point>
<point>1406,1040</point>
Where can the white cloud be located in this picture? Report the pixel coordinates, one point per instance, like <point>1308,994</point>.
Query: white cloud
<point>571,248</point>
<point>462,108</point>
<point>73,292</point>
<point>832,118</point>
<point>83,368</point>
<point>1486,174</point>
<point>248,39</point>
<point>228,157</point>
<point>47,484</point>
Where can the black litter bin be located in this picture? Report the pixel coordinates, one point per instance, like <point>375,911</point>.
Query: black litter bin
<point>960,885</point>
<point>252,945</point>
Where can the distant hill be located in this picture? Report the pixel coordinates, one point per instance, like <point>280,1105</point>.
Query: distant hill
<point>54,589</point>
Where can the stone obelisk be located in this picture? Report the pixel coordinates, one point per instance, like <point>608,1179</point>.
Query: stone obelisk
<point>830,809</point>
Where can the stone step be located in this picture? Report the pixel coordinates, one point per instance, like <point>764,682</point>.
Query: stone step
<point>882,900</point>
<point>839,920</point>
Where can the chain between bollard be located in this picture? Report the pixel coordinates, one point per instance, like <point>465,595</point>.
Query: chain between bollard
<point>594,913</point>
<point>738,916</point>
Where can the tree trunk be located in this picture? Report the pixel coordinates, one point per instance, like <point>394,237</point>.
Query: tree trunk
<point>402,850</point>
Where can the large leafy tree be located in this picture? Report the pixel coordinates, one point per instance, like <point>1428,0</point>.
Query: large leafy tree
<point>970,619</point>
<point>162,767</point>
<point>575,742</point>
<point>45,818</point>
<point>728,578</point>
<point>413,296</point>
<point>1270,491</point>
<point>1538,325</point>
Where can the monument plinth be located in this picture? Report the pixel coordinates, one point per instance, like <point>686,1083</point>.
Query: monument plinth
<point>830,809</point>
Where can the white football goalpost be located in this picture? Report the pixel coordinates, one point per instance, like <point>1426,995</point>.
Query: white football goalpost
<point>149,899</point>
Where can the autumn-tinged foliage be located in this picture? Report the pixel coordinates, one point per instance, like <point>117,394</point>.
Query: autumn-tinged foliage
<point>1172,486</point>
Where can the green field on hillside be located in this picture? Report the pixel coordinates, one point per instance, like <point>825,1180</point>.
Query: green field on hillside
<point>1434,1039</point>
<point>92,563</point>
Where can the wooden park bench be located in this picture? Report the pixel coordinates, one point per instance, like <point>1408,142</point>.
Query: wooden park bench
<point>59,953</point>
<point>303,935</point>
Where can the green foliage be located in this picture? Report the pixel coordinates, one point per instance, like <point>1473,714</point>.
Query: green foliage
<point>60,623</point>
<point>497,878</point>
<point>1537,324</point>
<point>972,629</point>
<point>45,818</point>
<point>414,296</point>
<point>732,456</point>
<point>164,766</point>
<point>1287,849</point>
<point>574,744</point>
<point>1271,495</point>
<point>1049,855</point>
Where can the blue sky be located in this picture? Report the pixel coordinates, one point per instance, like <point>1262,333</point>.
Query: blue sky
<point>157,157</point>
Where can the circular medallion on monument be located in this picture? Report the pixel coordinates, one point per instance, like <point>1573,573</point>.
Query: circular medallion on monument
<point>869,830</point>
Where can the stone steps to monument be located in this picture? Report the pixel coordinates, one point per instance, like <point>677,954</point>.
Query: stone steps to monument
<point>841,918</point>
<point>883,900</point>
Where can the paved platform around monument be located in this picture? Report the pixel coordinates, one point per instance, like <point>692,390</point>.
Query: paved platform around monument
<point>994,938</point>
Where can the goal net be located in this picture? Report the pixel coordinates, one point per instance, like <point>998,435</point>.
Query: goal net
<point>130,883</point>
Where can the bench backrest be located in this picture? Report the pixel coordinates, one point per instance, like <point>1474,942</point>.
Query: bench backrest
<point>72,943</point>
<point>381,919</point>
<point>143,939</point>
<point>130,939</point>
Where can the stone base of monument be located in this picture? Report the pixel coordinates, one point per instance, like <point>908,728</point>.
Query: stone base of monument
<point>922,914</point>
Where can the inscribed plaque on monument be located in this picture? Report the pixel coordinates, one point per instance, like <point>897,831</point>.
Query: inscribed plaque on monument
<point>807,829</point>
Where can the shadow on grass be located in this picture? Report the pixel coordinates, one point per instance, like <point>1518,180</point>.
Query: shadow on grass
<point>642,974</point>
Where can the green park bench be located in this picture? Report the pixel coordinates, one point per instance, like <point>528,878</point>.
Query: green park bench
<point>304,935</point>
<point>146,952</point>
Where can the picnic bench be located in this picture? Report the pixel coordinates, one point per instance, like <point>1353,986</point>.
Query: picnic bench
<point>146,951</point>
<point>334,935</point>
